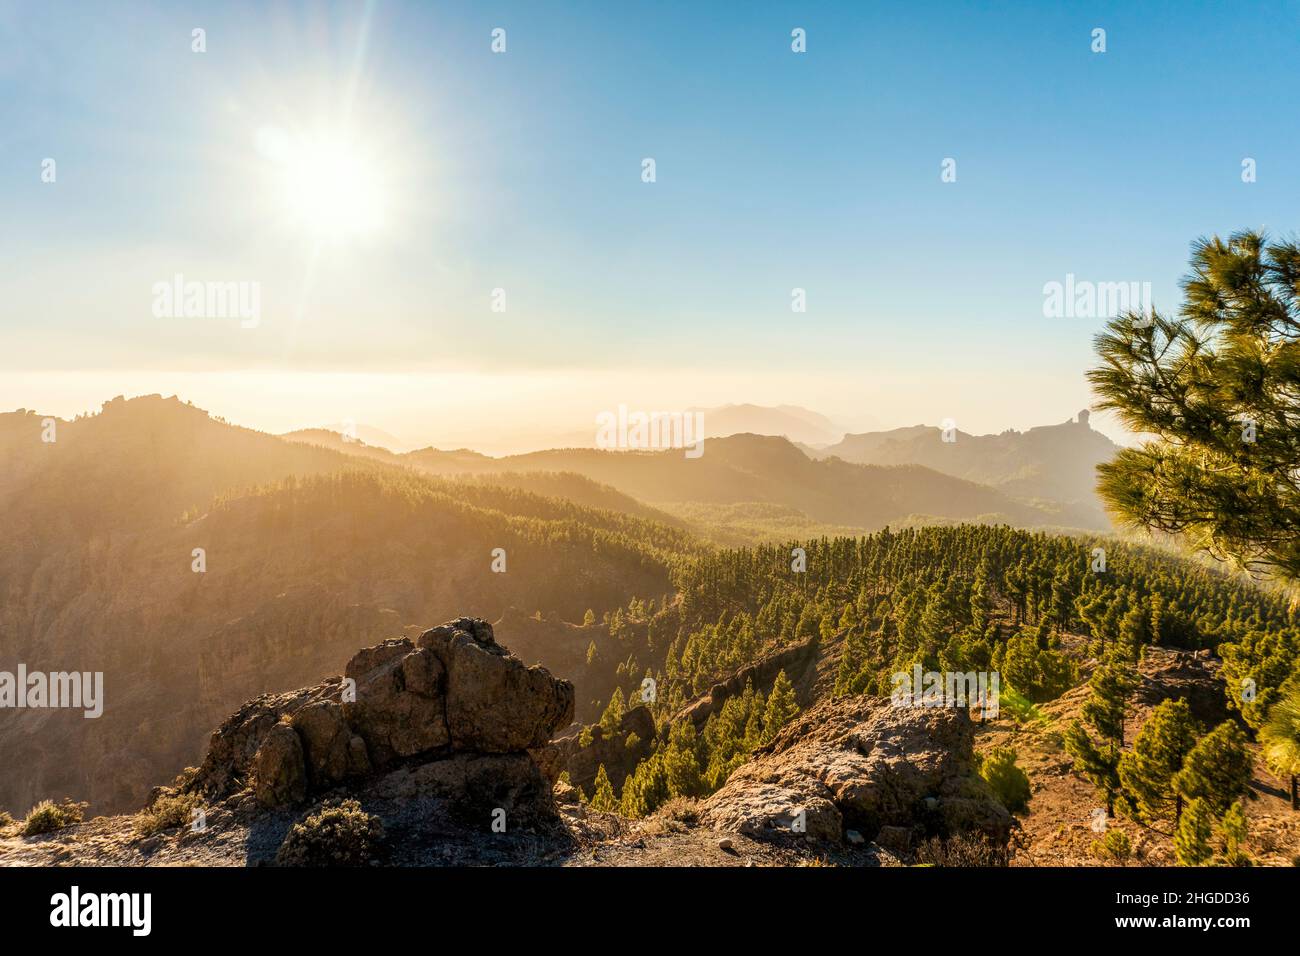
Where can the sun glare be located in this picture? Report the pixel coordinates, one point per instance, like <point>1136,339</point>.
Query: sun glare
<point>330,185</point>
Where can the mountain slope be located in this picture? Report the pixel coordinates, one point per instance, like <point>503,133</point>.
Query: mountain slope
<point>308,554</point>
<point>1054,462</point>
<point>763,472</point>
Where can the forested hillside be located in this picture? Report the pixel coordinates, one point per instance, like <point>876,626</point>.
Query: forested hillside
<point>1028,605</point>
<point>305,556</point>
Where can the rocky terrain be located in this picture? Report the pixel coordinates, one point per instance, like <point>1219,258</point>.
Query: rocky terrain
<point>1059,829</point>
<point>447,740</point>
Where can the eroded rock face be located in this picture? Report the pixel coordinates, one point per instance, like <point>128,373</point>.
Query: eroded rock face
<point>400,708</point>
<point>235,743</point>
<point>279,770</point>
<point>457,707</point>
<point>494,704</point>
<point>859,763</point>
<point>332,751</point>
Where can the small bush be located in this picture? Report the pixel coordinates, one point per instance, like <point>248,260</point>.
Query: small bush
<point>340,833</point>
<point>1114,845</point>
<point>48,816</point>
<point>1009,783</point>
<point>681,809</point>
<point>168,811</point>
<point>968,850</point>
<point>6,821</point>
<point>1021,708</point>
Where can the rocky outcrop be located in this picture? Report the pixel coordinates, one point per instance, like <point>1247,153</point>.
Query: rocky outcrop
<point>861,764</point>
<point>1192,676</point>
<point>493,703</point>
<point>452,715</point>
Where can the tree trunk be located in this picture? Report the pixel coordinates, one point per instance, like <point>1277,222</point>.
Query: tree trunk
<point>1110,804</point>
<point>1178,809</point>
<point>1295,796</point>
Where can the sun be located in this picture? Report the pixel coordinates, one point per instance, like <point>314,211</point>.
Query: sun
<point>328,184</point>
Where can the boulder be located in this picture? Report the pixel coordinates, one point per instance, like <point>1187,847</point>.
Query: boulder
<point>861,763</point>
<point>456,717</point>
<point>279,769</point>
<point>332,751</point>
<point>400,705</point>
<point>494,703</point>
<point>897,840</point>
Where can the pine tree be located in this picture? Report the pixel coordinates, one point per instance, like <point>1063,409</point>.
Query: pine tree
<point>646,788</point>
<point>1099,766</point>
<point>853,656</point>
<point>1105,707</point>
<point>1216,389</point>
<point>781,706</point>
<point>1147,771</point>
<point>1132,635</point>
<point>612,719</point>
<point>1280,737</point>
<point>1192,837</point>
<point>682,761</point>
<point>1217,770</point>
<point>589,618</point>
<point>1233,828</point>
<point>1040,673</point>
<point>604,799</point>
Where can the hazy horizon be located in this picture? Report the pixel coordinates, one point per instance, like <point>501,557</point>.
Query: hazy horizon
<point>502,437</point>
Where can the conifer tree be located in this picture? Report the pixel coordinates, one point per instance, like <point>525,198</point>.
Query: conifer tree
<point>1107,704</point>
<point>612,719</point>
<point>1192,837</point>
<point>1104,709</point>
<point>1217,388</point>
<point>1132,636</point>
<point>1098,765</point>
<point>853,657</point>
<point>1280,737</point>
<point>603,798</point>
<point>1217,770</point>
<point>781,706</point>
<point>1233,828</point>
<point>1147,771</point>
<point>682,762</point>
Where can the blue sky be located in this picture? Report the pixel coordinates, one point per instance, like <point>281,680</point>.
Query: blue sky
<point>521,171</point>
